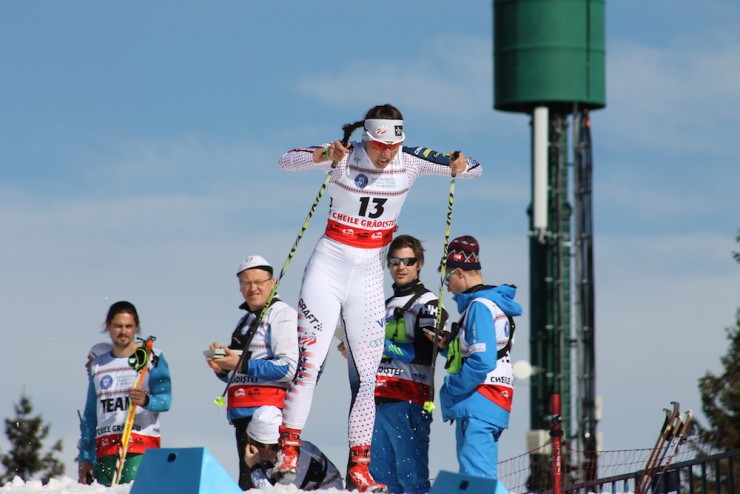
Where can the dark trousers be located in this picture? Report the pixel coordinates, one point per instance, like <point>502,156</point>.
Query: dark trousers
<point>240,431</point>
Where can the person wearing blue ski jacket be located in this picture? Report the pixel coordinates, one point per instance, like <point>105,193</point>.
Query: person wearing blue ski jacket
<point>477,392</point>
<point>112,389</point>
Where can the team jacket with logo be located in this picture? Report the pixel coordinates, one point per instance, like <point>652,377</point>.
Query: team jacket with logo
<point>405,372</point>
<point>482,387</point>
<point>107,405</point>
<point>273,356</point>
<point>366,201</point>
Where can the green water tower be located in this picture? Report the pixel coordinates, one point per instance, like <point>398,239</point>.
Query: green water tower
<point>549,63</point>
<point>548,52</point>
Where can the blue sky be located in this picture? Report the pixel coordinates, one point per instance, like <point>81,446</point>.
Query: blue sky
<point>138,160</point>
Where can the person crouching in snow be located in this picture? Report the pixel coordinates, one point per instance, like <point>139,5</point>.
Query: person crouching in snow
<point>315,471</point>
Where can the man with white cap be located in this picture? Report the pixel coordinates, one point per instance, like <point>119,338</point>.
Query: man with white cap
<point>315,471</point>
<point>344,276</point>
<point>477,393</point>
<point>272,353</point>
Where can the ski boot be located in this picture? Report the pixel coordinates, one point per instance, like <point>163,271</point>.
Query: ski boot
<point>286,464</point>
<point>358,473</point>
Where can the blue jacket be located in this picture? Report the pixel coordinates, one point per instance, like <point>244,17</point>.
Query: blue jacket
<point>458,395</point>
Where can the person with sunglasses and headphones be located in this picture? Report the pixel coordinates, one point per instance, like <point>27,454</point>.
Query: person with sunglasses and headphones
<point>405,377</point>
<point>369,183</point>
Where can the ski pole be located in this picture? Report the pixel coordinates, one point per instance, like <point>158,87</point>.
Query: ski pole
<point>429,404</point>
<point>221,400</point>
<point>139,361</point>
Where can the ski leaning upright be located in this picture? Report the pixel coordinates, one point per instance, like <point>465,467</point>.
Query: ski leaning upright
<point>682,433</point>
<point>139,361</point>
<point>672,419</point>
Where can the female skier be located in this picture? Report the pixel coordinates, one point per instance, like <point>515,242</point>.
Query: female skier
<point>344,276</point>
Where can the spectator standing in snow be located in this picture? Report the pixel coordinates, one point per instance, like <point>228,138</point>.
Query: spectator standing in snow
<point>110,391</point>
<point>272,353</point>
<point>477,393</point>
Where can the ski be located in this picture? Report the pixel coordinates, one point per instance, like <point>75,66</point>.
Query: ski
<point>670,438</point>
<point>660,444</point>
<point>683,431</point>
<point>139,361</point>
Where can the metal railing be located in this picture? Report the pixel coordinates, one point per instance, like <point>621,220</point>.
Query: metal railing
<point>715,474</point>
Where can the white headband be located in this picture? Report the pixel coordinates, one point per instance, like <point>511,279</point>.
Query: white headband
<point>388,131</point>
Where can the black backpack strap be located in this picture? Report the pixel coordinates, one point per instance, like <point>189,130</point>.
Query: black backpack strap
<point>249,335</point>
<point>502,353</point>
<point>398,312</point>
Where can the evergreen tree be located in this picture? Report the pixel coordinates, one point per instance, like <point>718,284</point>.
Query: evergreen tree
<point>25,458</point>
<point>720,398</point>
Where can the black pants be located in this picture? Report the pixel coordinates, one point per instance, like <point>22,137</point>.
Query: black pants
<point>240,430</point>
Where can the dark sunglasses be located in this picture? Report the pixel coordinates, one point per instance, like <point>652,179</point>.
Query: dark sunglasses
<point>407,261</point>
<point>259,445</point>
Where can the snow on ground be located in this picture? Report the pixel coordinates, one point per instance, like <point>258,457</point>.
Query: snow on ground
<point>67,485</point>
<point>64,485</point>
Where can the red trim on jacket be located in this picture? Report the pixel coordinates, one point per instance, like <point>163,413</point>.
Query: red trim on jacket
<point>401,389</point>
<point>503,396</point>
<point>255,396</point>
<point>108,445</point>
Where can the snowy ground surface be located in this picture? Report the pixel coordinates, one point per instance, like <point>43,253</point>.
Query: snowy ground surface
<point>67,485</point>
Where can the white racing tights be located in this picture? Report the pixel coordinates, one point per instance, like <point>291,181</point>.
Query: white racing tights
<point>345,280</point>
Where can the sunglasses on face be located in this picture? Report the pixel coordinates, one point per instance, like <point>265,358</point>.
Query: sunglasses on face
<point>383,146</point>
<point>407,261</point>
<point>448,276</point>
<point>259,445</point>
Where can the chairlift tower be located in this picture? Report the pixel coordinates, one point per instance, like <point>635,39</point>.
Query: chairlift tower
<point>549,63</point>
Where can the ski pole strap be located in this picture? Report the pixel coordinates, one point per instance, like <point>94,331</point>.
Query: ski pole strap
<point>139,359</point>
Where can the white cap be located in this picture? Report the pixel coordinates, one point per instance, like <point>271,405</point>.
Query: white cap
<point>388,131</point>
<point>265,424</point>
<point>253,262</point>
<point>99,349</point>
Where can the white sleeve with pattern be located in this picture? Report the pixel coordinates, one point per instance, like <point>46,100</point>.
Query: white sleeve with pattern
<point>423,161</point>
<point>300,159</point>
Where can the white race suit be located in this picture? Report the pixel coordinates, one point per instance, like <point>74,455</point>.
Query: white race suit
<point>344,276</point>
